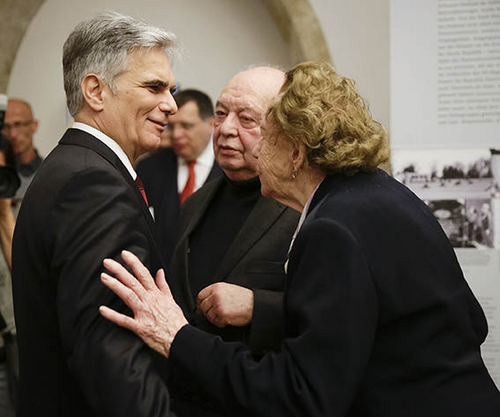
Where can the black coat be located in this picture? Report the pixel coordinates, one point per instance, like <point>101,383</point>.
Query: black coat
<point>82,207</point>
<point>379,320</point>
<point>255,260</point>
<point>158,173</point>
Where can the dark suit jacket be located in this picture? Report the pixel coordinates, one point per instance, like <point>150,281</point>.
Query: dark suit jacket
<point>82,207</point>
<point>379,320</point>
<point>158,173</point>
<point>255,260</point>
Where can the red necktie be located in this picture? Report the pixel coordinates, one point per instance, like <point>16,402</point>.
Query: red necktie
<point>189,187</point>
<point>138,182</point>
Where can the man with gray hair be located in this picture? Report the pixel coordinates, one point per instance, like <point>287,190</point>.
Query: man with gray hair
<point>85,204</point>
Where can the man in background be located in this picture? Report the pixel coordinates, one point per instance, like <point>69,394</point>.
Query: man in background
<point>227,269</point>
<point>86,203</point>
<point>8,345</point>
<point>19,128</point>
<point>171,175</point>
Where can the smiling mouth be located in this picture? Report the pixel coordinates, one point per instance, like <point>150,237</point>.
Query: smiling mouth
<point>159,125</point>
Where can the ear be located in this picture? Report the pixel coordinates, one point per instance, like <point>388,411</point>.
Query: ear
<point>34,126</point>
<point>92,89</point>
<point>299,158</point>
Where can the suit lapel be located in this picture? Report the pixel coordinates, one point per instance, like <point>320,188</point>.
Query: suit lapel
<point>215,172</point>
<point>262,217</point>
<point>80,138</point>
<point>183,242</point>
<point>202,208</point>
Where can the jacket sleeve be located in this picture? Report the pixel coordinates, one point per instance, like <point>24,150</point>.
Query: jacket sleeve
<point>330,321</point>
<point>266,328</point>
<point>97,215</point>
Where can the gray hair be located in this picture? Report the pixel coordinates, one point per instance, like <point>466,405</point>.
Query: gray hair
<point>101,45</point>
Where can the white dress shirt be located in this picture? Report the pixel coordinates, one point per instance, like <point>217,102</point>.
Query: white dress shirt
<point>110,143</point>
<point>202,168</point>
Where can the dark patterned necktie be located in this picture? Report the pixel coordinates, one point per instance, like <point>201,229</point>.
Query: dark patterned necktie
<point>189,187</point>
<point>138,182</point>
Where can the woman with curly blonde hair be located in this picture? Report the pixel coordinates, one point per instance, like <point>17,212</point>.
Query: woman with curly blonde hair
<point>379,320</point>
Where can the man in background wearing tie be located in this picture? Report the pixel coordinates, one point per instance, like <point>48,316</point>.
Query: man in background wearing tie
<point>172,174</point>
<point>83,205</point>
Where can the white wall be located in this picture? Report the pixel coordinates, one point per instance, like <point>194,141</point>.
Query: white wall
<point>357,32</point>
<point>220,38</point>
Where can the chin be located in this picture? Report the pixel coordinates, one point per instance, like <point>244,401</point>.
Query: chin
<point>264,190</point>
<point>152,142</point>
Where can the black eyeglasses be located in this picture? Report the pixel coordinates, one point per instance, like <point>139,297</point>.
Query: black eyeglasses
<point>16,125</point>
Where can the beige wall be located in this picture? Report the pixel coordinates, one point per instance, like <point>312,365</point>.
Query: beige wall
<point>357,33</point>
<point>220,38</point>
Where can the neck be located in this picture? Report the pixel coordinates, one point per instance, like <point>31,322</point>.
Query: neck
<point>240,175</point>
<point>89,119</point>
<point>302,187</point>
<point>27,157</point>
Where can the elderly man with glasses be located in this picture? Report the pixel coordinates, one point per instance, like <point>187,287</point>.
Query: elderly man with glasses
<point>19,128</point>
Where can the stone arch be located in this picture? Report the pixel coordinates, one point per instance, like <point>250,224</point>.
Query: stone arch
<point>16,17</point>
<point>295,19</point>
<point>300,29</point>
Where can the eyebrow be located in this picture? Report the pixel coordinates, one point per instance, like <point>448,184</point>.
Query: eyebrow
<point>156,82</point>
<point>240,109</point>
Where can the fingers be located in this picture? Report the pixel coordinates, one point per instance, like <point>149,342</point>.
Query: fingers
<point>117,318</point>
<point>202,296</point>
<point>205,292</point>
<point>126,294</point>
<point>140,271</point>
<point>121,273</point>
<point>204,306</point>
<point>214,318</point>
<point>161,282</point>
<point>210,308</point>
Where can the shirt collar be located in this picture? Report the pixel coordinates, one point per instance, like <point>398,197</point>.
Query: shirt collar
<point>305,211</point>
<point>110,143</point>
<point>301,221</point>
<point>206,158</point>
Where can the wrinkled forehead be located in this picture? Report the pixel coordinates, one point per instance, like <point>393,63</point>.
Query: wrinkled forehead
<point>19,109</point>
<point>258,85</point>
<point>242,97</point>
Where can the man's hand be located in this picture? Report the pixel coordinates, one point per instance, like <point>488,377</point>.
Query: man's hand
<point>157,318</point>
<point>226,304</point>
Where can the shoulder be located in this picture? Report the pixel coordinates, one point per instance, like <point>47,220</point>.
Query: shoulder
<point>271,207</point>
<point>363,193</point>
<point>157,160</point>
<point>206,191</point>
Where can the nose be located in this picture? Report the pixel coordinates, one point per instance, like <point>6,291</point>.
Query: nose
<point>168,104</point>
<point>229,126</point>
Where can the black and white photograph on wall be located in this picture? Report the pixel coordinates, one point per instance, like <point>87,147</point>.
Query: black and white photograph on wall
<point>458,186</point>
<point>468,223</point>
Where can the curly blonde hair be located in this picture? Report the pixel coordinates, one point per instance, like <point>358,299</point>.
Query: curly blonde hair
<point>323,110</point>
